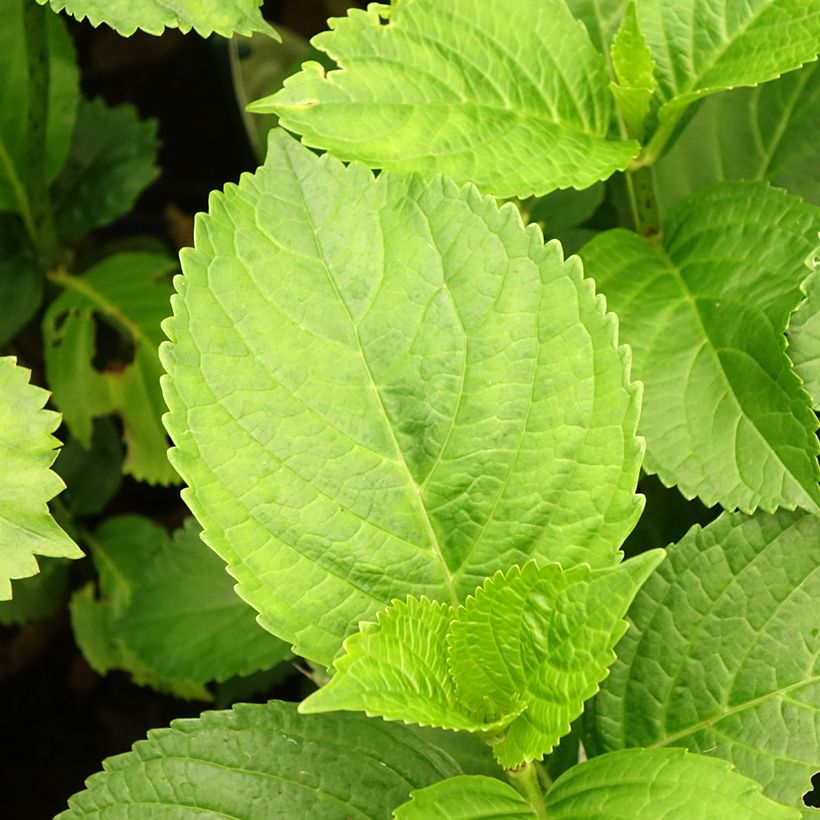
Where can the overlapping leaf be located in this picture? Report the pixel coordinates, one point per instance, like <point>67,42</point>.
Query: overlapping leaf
<point>518,103</point>
<point>112,160</point>
<point>516,661</point>
<point>769,132</point>
<point>127,293</point>
<point>21,280</point>
<point>263,761</point>
<point>27,450</point>
<point>37,596</point>
<point>722,656</point>
<point>804,338</point>
<point>62,103</point>
<point>206,17</point>
<point>382,388</point>
<point>725,417</point>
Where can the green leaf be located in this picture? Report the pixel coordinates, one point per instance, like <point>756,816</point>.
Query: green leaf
<point>206,17</point>
<point>701,49</point>
<point>460,88</point>
<point>126,294</point>
<point>601,18</point>
<point>804,339</point>
<point>27,450</point>
<point>21,280</point>
<point>466,797</point>
<point>724,416</point>
<point>382,388</point>
<point>769,132</point>
<point>560,211</point>
<point>62,103</point>
<point>38,596</point>
<point>659,783</point>
<point>112,160</point>
<point>262,761</point>
<point>722,656</point>
<point>541,637</point>
<point>396,668</point>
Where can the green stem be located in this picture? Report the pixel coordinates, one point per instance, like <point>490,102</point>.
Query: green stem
<point>640,187</point>
<point>525,781</point>
<point>40,214</point>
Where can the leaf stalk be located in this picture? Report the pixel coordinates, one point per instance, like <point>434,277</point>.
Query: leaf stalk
<point>526,782</point>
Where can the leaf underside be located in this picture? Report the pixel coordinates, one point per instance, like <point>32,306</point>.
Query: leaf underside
<point>722,656</point>
<point>382,388</point>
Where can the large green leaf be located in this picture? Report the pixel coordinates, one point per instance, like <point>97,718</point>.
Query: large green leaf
<point>804,338</point>
<point>518,103</point>
<point>206,17</point>
<point>466,797</point>
<point>382,388</point>
<point>722,656</point>
<point>27,450</point>
<point>664,784</point>
<point>769,132</point>
<point>516,661</point>
<point>112,160</point>
<point>127,294</point>
<point>725,417</point>
<point>262,761</point>
<point>62,102</point>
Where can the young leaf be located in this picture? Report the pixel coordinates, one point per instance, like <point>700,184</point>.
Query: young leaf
<point>804,339</point>
<point>382,388</point>
<point>724,416</point>
<point>466,797</point>
<point>541,637</point>
<point>129,294</point>
<point>516,103</point>
<point>396,668</point>
<point>722,653</point>
<point>27,450</point>
<point>206,17</point>
<point>267,761</point>
<point>112,160</point>
<point>63,94</point>
<point>769,132</point>
<point>659,783</point>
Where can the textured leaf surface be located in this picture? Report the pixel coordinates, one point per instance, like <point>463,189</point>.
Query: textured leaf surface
<point>382,388</point>
<point>466,797</point>
<point>725,417</point>
<point>664,784</point>
<point>263,761</point>
<point>769,132</point>
<point>206,17</point>
<point>129,293</point>
<point>464,89</point>
<point>722,656</point>
<point>62,102</point>
<point>27,450</point>
<point>804,339</point>
<point>701,47</point>
<point>112,160</point>
<point>542,637</point>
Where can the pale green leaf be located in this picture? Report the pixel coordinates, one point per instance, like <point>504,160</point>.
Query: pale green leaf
<point>62,102</point>
<point>701,47</point>
<point>662,784</point>
<point>466,797</point>
<point>129,292</point>
<point>722,656</point>
<point>725,417</point>
<point>396,668</point>
<point>112,160</point>
<point>516,103</point>
<point>769,132</point>
<point>542,637</point>
<point>206,17</point>
<point>263,761</point>
<point>804,339</point>
<point>382,388</point>
<point>27,451</point>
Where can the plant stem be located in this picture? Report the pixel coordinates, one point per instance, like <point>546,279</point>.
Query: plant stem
<point>40,218</point>
<point>640,186</point>
<point>525,781</point>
